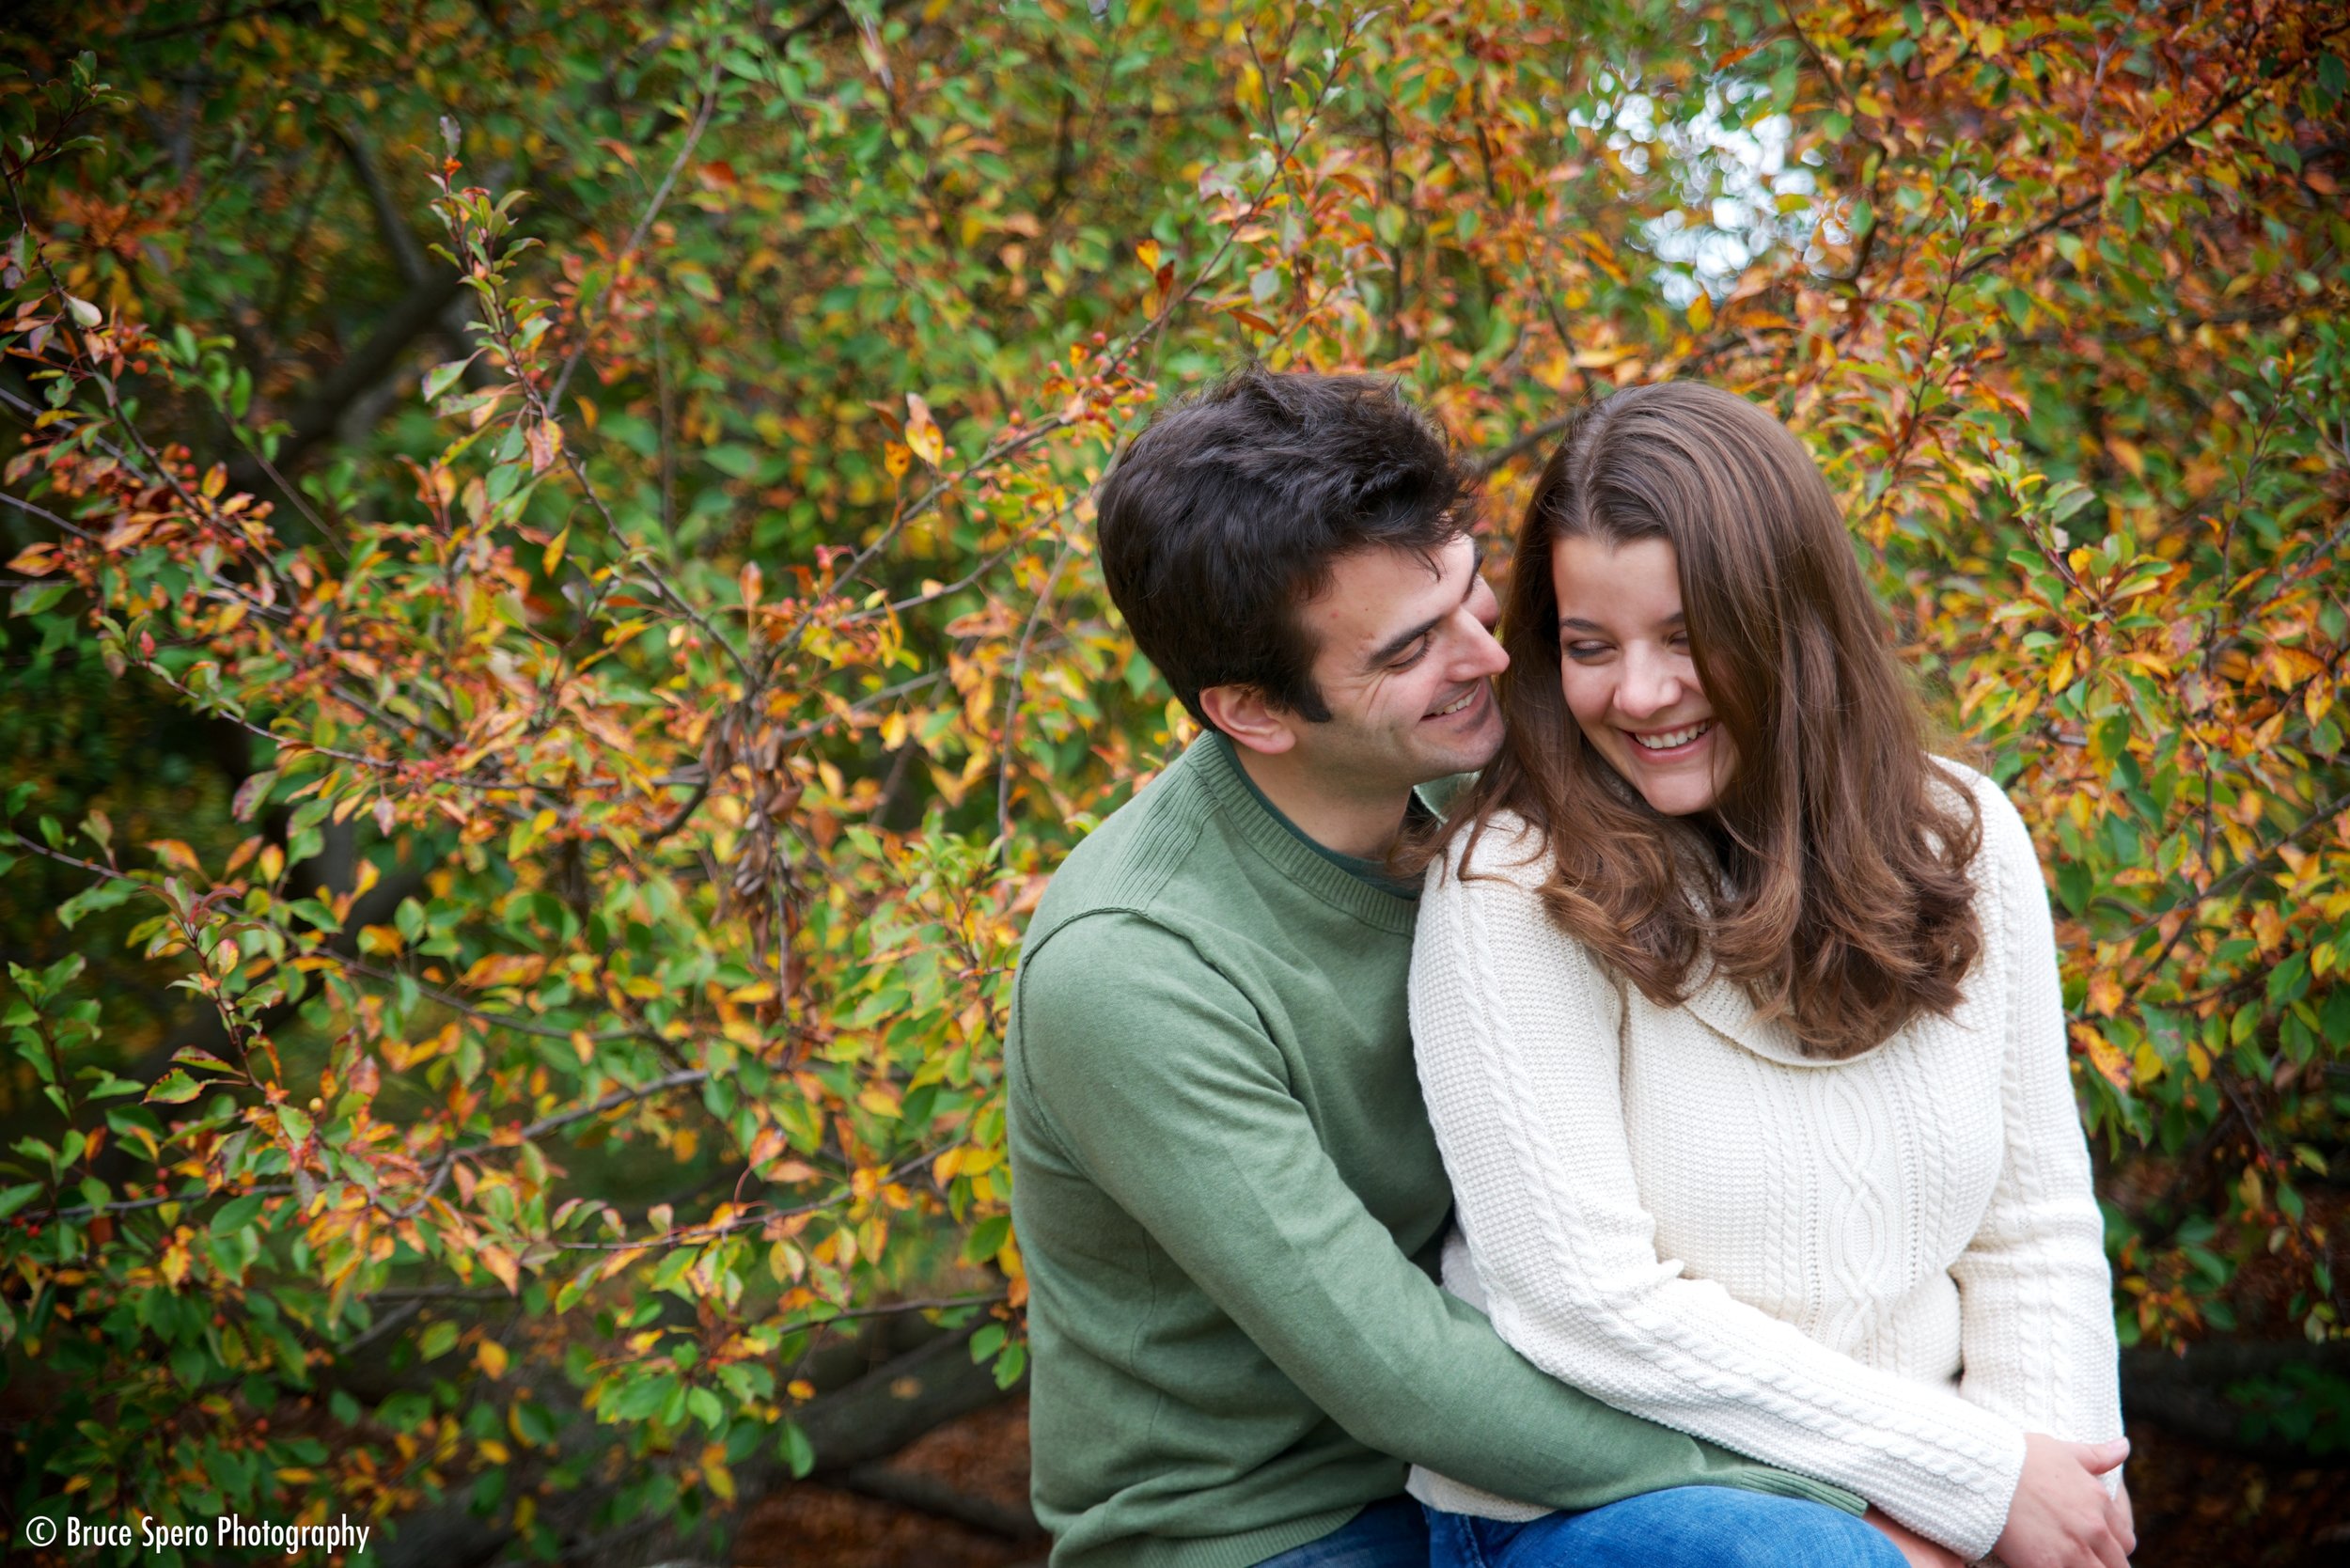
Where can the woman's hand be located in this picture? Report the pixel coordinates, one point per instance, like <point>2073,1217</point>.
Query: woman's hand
<point>2061,1517</point>
<point>1921,1552</point>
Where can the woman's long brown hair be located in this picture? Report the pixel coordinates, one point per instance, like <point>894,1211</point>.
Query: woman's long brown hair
<point>1830,879</point>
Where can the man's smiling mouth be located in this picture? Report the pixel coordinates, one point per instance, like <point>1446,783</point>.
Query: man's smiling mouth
<point>1451,708</point>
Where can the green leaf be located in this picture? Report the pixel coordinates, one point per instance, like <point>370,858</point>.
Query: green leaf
<point>238,1212</point>
<point>437,1340</point>
<point>173,1088</point>
<point>442,377</point>
<point>795,1450</point>
<point>706,1407</point>
<point>986,1239</point>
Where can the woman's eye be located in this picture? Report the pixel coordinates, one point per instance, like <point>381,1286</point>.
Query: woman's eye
<point>1585,649</point>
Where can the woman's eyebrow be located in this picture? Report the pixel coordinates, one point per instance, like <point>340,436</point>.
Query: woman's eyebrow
<point>1672,622</point>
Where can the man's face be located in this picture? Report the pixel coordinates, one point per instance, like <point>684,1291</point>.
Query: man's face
<point>1405,659</point>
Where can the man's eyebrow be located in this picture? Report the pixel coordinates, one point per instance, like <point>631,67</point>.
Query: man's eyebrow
<point>1395,645</point>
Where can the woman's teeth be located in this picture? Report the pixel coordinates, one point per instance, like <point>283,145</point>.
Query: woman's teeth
<point>1668,739</point>
<point>1467,697</point>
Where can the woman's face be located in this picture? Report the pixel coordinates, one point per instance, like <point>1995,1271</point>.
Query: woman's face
<point>1624,664</point>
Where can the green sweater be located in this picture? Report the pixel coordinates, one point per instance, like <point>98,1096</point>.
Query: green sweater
<point>1230,1204</point>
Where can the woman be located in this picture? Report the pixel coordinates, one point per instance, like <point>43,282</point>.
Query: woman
<point>1740,1027</point>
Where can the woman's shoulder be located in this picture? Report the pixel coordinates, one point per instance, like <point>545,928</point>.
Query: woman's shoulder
<point>1501,846</point>
<point>1961,781</point>
<point>2006,842</point>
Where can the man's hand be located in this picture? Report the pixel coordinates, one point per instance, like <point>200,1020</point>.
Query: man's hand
<point>2061,1518</point>
<point>1921,1552</point>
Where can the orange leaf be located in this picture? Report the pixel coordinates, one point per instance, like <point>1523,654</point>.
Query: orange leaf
<point>501,1263</point>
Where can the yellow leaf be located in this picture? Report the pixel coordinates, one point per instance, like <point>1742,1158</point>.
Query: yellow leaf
<point>174,854</point>
<point>553,558</point>
<point>1700,312</point>
<point>895,460</point>
<point>923,431</point>
<point>491,1358</point>
<point>716,1474</point>
<point>2105,994</point>
<point>1600,359</point>
<point>1147,254</point>
<point>2109,1062</point>
<point>2060,673</point>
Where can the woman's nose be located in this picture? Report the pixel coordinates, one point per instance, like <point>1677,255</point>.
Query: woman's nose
<point>1650,684</point>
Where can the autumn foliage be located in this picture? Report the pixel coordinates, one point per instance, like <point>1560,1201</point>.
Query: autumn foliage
<point>611,482</point>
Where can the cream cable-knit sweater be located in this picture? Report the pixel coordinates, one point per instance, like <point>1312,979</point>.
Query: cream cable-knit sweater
<point>1880,1272</point>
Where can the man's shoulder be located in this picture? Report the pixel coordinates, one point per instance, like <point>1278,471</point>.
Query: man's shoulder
<point>1137,860</point>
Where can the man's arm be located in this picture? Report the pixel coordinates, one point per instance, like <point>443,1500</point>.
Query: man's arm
<point>1156,1075</point>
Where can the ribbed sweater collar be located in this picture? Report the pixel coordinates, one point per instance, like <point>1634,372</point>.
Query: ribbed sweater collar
<point>1211,761</point>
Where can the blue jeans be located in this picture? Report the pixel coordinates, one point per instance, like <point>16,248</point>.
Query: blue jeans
<point>1392,1533</point>
<point>1686,1527</point>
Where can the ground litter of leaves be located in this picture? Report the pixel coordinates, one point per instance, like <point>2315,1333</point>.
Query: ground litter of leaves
<point>984,1456</point>
<point>2197,1508</point>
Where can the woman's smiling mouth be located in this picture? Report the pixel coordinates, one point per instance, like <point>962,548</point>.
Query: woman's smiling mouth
<point>1672,740</point>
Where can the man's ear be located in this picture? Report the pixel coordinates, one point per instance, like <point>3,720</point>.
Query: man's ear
<point>1244,713</point>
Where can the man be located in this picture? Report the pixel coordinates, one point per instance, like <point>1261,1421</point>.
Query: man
<point>1226,1188</point>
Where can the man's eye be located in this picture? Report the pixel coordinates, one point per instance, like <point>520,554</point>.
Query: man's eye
<point>1418,651</point>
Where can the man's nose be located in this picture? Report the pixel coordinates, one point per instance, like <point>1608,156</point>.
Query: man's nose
<point>1480,652</point>
<point>1485,650</point>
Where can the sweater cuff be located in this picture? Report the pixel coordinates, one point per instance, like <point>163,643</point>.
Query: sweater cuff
<point>1972,1531</point>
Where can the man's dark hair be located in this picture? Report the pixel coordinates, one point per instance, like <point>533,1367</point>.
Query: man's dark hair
<point>1227,513</point>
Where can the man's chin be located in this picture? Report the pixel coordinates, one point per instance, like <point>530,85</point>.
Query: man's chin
<point>1469,754</point>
